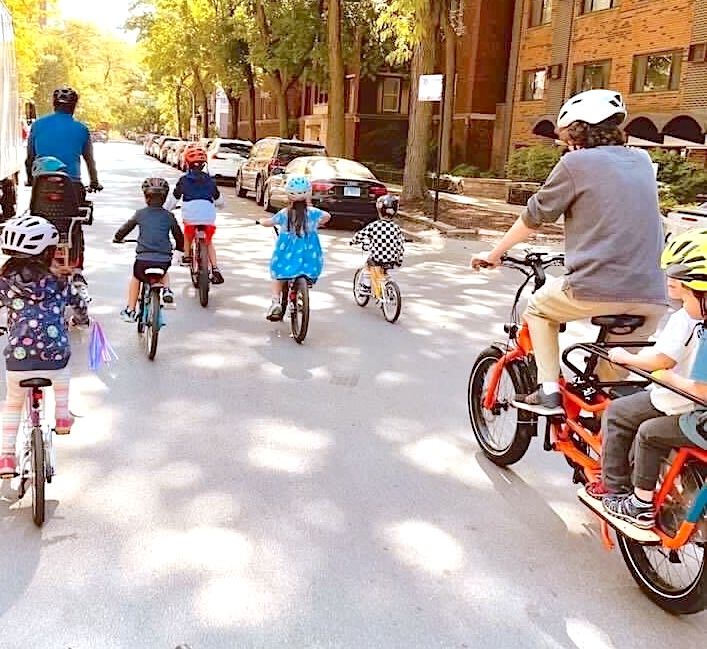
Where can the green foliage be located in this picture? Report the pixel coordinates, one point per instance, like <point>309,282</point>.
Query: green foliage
<point>466,171</point>
<point>533,163</point>
<point>684,180</point>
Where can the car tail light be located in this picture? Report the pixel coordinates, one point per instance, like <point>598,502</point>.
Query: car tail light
<point>54,198</point>
<point>377,191</point>
<point>322,188</point>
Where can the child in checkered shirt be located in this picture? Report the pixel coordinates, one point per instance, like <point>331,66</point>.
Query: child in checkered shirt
<point>382,238</point>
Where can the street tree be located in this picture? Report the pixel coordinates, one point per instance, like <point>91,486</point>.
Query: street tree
<point>413,26</point>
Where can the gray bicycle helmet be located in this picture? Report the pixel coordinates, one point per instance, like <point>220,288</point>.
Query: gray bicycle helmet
<point>387,206</point>
<point>155,186</point>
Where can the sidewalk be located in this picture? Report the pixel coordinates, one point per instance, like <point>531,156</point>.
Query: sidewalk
<point>469,218</point>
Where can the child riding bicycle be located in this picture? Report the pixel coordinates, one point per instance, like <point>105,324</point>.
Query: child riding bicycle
<point>199,194</point>
<point>38,338</point>
<point>154,248</point>
<point>384,240</point>
<point>650,421</point>
<point>298,250</point>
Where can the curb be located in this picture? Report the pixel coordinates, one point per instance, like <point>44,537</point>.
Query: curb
<point>444,229</point>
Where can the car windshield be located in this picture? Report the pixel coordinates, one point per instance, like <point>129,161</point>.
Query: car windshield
<point>239,148</point>
<point>289,152</point>
<point>337,168</point>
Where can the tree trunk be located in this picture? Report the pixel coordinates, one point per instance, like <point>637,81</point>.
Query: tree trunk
<point>336,133</point>
<point>234,103</point>
<point>178,103</point>
<point>280,89</point>
<point>423,62</point>
<point>450,73</point>
<point>250,80</point>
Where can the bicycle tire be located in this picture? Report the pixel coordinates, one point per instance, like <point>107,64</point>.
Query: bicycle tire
<point>394,299</point>
<point>361,300</point>
<point>687,600</point>
<point>141,311</point>
<point>38,476</point>
<point>203,275</point>
<point>240,192</point>
<point>525,426</point>
<point>299,311</point>
<point>153,325</point>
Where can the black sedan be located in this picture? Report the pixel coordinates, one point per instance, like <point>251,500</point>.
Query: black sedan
<point>344,188</point>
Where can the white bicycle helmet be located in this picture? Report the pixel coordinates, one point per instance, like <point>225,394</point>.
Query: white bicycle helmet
<point>28,236</point>
<point>592,107</point>
<point>298,188</point>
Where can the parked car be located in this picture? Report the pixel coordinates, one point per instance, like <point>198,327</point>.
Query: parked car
<point>345,188</point>
<point>224,156</point>
<point>682,219</point>
<point>267,155</point>
<point>99,136</point>
<point>140,138</point>
<point>163,145</point>
<point>173,149</point>
<point>149,141</point>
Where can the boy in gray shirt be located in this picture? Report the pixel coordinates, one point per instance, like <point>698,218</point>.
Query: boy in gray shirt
<point>154,248</point>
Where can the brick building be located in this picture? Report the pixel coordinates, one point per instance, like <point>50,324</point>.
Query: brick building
<point>653,52</point>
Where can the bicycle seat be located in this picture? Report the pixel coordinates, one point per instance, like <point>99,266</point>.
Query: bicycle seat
<point>619,324</point>
<point>36,383</point>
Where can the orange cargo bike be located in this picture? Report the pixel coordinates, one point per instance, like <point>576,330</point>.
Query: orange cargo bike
<point>667,562</point>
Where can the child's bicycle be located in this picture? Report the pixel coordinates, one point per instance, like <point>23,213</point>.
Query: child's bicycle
<point>295,306</point>
<point>669,561</point>
<point>36,463</point>
<point>149,309</point>
<point>199,267</point>
<point>384,289</point>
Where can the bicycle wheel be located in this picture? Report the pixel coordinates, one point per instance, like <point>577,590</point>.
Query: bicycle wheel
<point>361,300</point>
<point>676,580</point>
<point>203,274</point>
<point>392,302</point>
<point>299,310</point>
<point>141,310</point>
<point>153,324</point>
<point>503,432</point>
<point>38,476</point>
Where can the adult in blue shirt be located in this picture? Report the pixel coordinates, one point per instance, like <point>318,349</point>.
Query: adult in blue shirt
<point>61,136</point>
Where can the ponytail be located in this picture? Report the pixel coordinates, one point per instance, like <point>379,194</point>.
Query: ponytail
<point>297,218</point>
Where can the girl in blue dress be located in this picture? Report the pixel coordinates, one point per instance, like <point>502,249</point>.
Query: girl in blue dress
<point>297,249</point>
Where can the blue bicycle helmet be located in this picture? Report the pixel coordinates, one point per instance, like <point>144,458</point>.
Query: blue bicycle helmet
<point>47,165</point>
<point>298,188</point>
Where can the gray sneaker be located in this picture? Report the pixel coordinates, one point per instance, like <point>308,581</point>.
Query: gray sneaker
<point>540,403</point>
<point>630,509</point>
<point>274,313</point>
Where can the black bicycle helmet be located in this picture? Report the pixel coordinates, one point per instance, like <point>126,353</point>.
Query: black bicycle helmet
<point>65,96</point>
<point>155,186</point>
<point>387,206</point>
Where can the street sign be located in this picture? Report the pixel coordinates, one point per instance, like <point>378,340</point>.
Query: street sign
<point>431,87</point>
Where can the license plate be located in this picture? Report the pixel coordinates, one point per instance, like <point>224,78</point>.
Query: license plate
<point>352,192</point>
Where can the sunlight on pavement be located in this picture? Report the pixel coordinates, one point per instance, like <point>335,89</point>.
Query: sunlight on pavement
<point>322,514</point>
<point>390,378</point>
<point>422,545</point>
<point>586,635</point>
<point>287,449</point>
<point>445,457</point>
<point>576,520</point>
<point>178,475</point>
<point>209,361</point>
<point>398,429</point>
<point>213,508</point>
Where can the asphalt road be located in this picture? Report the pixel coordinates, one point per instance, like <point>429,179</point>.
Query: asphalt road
<point>245,492</point>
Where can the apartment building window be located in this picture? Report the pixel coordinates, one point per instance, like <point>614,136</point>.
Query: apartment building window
<point>321,96</point>
<point>540,12</point>
<point>657,72</point>
<point>589,76</point>
<point>390,102</point>
<point>597,5</point>
<point>534,84</point>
